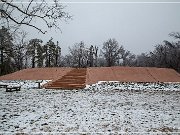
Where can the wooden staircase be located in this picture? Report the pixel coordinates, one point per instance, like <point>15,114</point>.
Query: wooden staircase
<point>75,79</point>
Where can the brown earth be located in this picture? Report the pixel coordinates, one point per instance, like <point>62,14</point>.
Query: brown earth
<point>66,76</point>
<point>131,74</point>
<point>37,74</point>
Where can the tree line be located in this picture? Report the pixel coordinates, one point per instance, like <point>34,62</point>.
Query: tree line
<point>20,54</point>
<point>165,55</point>
<point>17,53</point>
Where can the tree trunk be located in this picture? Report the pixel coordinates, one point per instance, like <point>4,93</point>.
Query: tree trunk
<point>33,62</point>
<point>49,60</point>
<point>2,61</point>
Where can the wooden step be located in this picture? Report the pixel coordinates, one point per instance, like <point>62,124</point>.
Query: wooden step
<point>71,82</point>
<point>74,76</point>
<point>70,79</point>
<point>75,79</point>
<point>66,85</point>
<point>68,88</point>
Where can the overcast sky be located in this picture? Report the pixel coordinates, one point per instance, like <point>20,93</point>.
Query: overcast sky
<point>136,26</point>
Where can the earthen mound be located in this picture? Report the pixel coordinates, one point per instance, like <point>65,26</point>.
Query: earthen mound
<point>67,77</point>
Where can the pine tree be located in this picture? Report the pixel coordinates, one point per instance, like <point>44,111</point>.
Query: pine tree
<point>52,53</point>
<point>6,49</point>
<point>33,50</point>
<point>40,57</point>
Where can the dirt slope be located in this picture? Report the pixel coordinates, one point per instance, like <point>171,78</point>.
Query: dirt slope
<point>131,74</point>
<point>164,74</point>
<point>37,74</point>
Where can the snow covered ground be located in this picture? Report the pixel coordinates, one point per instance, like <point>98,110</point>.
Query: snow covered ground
<point>103,108</point>
<point>27,84</point>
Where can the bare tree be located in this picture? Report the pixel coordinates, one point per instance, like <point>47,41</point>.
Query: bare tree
<point>176,35</point>
<point>144,60</point>
<point>166,54</point>
<point>20,50</point>
<point>111,51</point>
<point>78,55</point>
<point>15,13</point>
<point>128,58</point>
<point>68,61</point>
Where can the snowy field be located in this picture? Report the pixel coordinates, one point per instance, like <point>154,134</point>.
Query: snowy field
<point>103,108</point>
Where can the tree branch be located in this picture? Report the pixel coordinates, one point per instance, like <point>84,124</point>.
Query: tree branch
<point>11,18</point>
<point>25,15</point>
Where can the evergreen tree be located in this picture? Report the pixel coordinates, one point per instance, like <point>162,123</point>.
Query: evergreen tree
<point>92,56</point>
<point>33,49</point>
<point>39,56</point>
<point>52,53</point>
<point>6,50</point>
<point>57,54</point>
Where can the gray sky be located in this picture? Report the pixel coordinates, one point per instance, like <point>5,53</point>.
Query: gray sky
<point>136,26</point>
